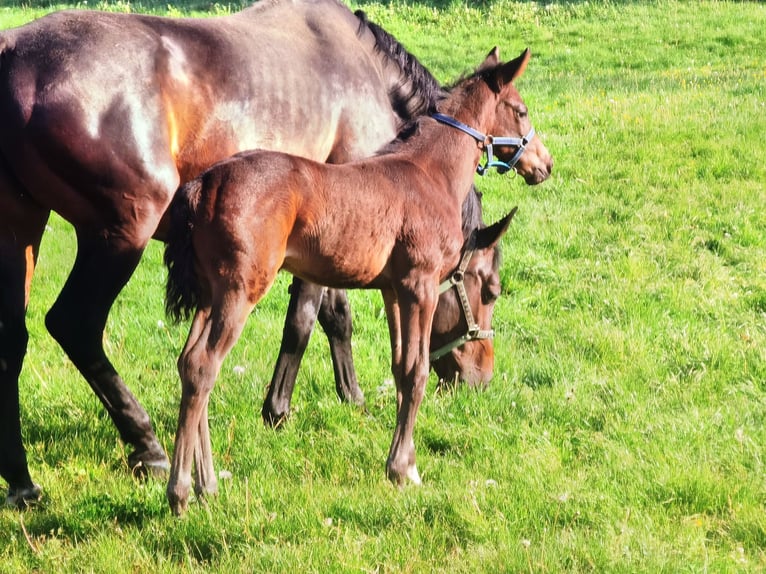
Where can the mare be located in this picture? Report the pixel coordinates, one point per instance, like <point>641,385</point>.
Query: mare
<point>104,140</point>
<point>237,224</point>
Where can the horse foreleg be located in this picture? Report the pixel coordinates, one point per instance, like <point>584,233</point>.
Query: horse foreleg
<point>77,321</point>
<point>415,308</point>
<point>305,300</point>
<point>21,227</point>
<point>335,318</point>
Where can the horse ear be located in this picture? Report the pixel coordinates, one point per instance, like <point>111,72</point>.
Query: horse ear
<point>489,236</point>
<point>511,70</point>
<point>491,61</point>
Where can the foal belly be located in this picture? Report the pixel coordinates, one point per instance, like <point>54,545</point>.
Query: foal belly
<point>347,264</point>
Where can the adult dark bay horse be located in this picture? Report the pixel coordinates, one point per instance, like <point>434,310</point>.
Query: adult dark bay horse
<point>236,225</point>
<point>103,115</point>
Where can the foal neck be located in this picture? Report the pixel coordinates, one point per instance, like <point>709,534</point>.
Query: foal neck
<point>457,152</point>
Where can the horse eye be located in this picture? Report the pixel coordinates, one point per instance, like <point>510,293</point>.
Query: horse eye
<point>490,293</point>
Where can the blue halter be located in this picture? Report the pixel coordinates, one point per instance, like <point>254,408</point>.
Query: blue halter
<point>488,142</point>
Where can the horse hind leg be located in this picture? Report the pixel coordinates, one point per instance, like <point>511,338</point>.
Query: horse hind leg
<point>77,320</point>
<point>22,223</point>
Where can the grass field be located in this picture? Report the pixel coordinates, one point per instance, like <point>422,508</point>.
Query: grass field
<point>624,429</point>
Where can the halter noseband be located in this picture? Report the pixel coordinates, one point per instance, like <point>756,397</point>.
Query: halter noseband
<point>488,141</point>
<point>456,280</point>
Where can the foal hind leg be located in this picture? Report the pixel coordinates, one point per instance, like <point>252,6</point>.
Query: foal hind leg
<point>77,320</point>
<point>21,227</point>
<point>214,332</point>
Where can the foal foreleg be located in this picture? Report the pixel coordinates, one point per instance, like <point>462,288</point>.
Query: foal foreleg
<point>391,305</point>
<point>415,308</point>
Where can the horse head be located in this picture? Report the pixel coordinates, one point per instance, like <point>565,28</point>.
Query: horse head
<point>513,140</point>
<point>461,335</point>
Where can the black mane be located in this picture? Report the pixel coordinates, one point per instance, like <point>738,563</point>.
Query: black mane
<point>416,95</point>
<point>417,92</point>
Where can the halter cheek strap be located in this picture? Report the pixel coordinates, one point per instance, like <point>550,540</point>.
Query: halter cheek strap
<point>457,280</point>
<point>488,142</point>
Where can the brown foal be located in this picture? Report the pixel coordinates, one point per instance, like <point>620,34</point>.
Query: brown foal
<point>392,222</point>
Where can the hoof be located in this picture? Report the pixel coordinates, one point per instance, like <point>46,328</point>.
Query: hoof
<point>413,476</point>
<point>178,507</point>
<point>352,395</point>
<point>149,464</point>
<point>273,419</point>
<point>23,498</point>
<point>409,476</point>
<point>178,499</point>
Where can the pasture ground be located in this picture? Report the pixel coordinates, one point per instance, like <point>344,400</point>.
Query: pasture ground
<point>624,429</point>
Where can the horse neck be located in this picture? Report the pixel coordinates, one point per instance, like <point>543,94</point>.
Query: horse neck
<point>472,212</point>
<point>413,91</point>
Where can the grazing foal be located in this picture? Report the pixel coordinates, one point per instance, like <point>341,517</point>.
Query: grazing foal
<point>392,222</point>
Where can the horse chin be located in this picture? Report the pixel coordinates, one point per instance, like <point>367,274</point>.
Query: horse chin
<point>450,376</point>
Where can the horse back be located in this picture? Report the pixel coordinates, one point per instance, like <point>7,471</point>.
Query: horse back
<point>169,97</point>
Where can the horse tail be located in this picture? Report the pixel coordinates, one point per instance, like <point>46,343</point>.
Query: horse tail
<point>182,293</point>
<point>414,91</point>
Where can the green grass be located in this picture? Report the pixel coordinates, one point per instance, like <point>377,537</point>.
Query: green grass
<point>623,431</point>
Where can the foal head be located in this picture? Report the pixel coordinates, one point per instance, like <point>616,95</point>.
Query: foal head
<point>510,136</point>
<point>517,147</point>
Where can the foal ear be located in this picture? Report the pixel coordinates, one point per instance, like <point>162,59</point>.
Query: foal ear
<point>491,61</point>
<point>511,70</point>
<point>489,236</point>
